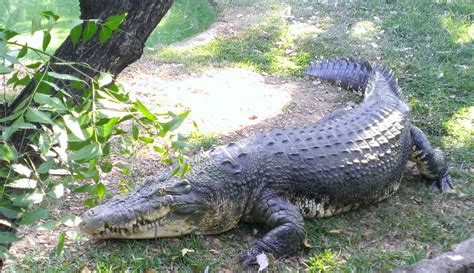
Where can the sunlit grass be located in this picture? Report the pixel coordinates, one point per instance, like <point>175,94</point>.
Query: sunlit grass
<point>461,31</point>
<point>184,19</point>
<point>267,47</point>
<point>324,262</point>
<point>363,29</point>
<point>461,127</point>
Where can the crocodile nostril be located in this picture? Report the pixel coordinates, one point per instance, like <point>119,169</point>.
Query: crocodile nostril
<point>91,212</point>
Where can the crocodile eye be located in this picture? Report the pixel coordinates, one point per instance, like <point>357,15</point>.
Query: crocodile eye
<point>178,188</point>
<point>181,187</point>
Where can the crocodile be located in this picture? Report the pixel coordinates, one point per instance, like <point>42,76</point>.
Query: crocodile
<point>349,159</point>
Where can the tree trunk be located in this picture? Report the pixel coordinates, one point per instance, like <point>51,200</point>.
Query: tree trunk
<point>123,48</point>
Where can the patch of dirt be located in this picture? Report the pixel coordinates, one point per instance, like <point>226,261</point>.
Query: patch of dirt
<point>225,100</point>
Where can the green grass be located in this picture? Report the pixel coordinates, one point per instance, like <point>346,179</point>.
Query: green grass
<point>429,46</point>
<point>254,49</point>
<point>185,18</point>
<point>204,141</point>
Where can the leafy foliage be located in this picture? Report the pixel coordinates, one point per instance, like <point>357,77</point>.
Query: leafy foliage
<point>68,123</point>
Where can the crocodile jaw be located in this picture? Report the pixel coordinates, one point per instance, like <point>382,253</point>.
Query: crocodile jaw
<point>151,211</point>
<point>102,223</point>
<point>141,228</point>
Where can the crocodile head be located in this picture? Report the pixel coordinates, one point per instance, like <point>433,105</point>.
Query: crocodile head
<point>163,207</point>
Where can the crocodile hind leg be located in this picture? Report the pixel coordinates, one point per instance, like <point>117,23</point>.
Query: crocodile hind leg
<point>430,161</point>
<point>287,234</point>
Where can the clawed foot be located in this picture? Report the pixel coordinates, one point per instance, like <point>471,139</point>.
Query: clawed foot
<point>444,183</point>
<point>248,257</point>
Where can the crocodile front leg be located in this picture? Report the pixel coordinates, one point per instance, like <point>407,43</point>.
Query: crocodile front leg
<point>287,235</point>
<point>430,161</point>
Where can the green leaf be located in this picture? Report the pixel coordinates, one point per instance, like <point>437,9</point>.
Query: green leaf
<point>7,34</point>
<point>21,169</point>
<point>5,70</point>
<point>147,140</point>
<point>35,23</point>
<point>23,81</point>
<point>5,172</point>
<point>109,104</point>
<point>90,202</point>
<point>27,199</point>
<point>50,14</point>
<point>66,77</point>
<point>60,244</point>
<point>84,188</point>
<point>23,183</point>
<point>57,88</point>
<point>46,39</point>
<point>106,167</point>
<point>18,124</point>
<point>33,216</point>
<point>100,190</point>
<point>134,131</point>
<point>57,191</point>
<point>4,254</point>
<point>34,65</point>
<point>22,52</point>
<point>179,145</point>
<point>89,31</point>
<point>72,124</point>
<point>173,124</point>
<point>142,108</point>
<point>85,153</point>
<point>159,149</point>
<point>104,113</point>
<point>6,153</point>
<point>75,34</point>
<point>105,130</point>
<point>104,34</point>
<point>8,237</point>
<point>113,22</point>
<point>55,103</point>
<point>9,212</point>
<point>38,116</point>
<point>195,125</point>
<point>51,225</point>
<point>104,79</point>
<point>46,166</point>
<point>71,220</point>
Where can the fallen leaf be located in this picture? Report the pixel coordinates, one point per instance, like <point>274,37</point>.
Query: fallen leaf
<point>215,252</point>
<point>254,231</point>
<point>149,270</point>
<point>262,261</point>
<point>335,231</point>
<point>226,270</point>
<point>85,270</point>
<point>185,251</point>
<point>307,244</point>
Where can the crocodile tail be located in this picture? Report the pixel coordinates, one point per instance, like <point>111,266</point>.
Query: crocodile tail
<point>391,80</point>
<point>348,73</point>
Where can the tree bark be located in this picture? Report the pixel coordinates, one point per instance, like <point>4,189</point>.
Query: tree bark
<point>123,48</point>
